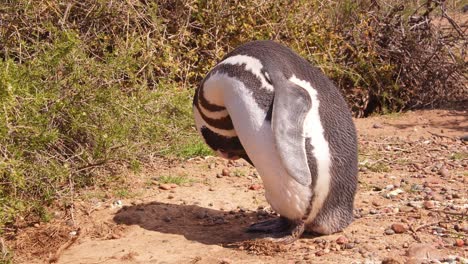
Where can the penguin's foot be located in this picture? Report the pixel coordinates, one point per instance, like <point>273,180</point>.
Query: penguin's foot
<point>296,233</point>
<point>277,225</point>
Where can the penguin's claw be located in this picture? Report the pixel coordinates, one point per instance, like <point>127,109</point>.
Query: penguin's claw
<point>277,225</point>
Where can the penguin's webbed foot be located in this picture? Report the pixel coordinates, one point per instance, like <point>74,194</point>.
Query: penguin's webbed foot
<point>277,225</point>
<point>296,233</point>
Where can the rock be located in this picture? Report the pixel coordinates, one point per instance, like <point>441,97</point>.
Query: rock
<point>444,172</point>
<point>224,261</point>
<point>406,209</point>
<point>399,228</point>
<point>415,204</point>
<point>389,187</point>
<point>390,261</point>
<point>342,240</point>
<point>211,189</point>
<point>459,242</point>
<point>429,204</point>
<point>165,187</point>
<point>219,175</point>
<point>422,252</point>
<point>255,187</point>
<point>394,193</point>
<point>376,203</point>
<point>167,218</point>
<point>349,245</point>
<point>212,166</point>
<point>377,125</point>
<point>389,232</point>
<point>201,214</point>
<point>225,172</point>
<point>319,253</point>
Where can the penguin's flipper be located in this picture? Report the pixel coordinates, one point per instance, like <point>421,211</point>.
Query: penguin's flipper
<point>291,105</point>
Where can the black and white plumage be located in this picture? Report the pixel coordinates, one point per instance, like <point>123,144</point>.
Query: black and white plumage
<point>266,104</point>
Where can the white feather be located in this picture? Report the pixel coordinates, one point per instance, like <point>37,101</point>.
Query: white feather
<point>313,128</point>
<point>285,195</point>
<point>251,64</point>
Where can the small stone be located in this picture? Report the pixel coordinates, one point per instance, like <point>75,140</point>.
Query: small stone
<point>201,214</point>
<point>377,125</point>
<point>459,242</point>
<point>319,253</point>
<point>376,203</point>
<point>342,240</point>
<point>219,221</point>
<point>167,218</point>
<point>165,187</point>
<point>225,261</point>
<point>399,228</point>
<point>415,204</point>
<point>405,245</point>
<point>349,245</point>
<point>255,187</point>
<point>390,261</point>
<point>444,172</point>
<point>394,193</point>
<point>406,209</point>
<point>389,232</point>
<point>225,172</point>
<point>429,204</point>
<point>212,166</point>
<point>218,175</point>
<point>389,187</point>
<point>211,189</point>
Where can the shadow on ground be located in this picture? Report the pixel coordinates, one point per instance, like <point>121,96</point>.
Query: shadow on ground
<point>207,226</point>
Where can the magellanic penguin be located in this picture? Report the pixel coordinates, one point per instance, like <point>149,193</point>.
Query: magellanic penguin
<point>266,104</point>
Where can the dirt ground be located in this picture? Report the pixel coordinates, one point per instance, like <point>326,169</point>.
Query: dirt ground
<point>411,207</point>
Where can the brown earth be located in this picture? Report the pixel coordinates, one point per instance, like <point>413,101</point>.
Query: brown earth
<point>411,204</point>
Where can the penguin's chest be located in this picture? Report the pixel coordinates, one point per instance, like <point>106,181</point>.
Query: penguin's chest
<point>253,127</point>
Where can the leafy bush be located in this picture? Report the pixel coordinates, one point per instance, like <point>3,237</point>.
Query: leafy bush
<point>88,84</point>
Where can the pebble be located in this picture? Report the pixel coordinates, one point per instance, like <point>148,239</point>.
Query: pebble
<point>389,232</point>
<point>377,125</point>
<point>375,203</point>
<point>390,261</point>
<point>212,166</point>
<point>219,175</point>
<point>342,240</point>
<point>225,172</point>
<point>459,242</point>
<point>399,228</point>
<point>225,261</point>
<point>167,218</point>
<point>349,245</point>
<point>255,187</point>
<point>201,214</point>
<point>429,204</point>
<point>394,193</point>
<point>415,204</point>
<point>165,187</point>
<point>444,172</point>
<point>319,253</point>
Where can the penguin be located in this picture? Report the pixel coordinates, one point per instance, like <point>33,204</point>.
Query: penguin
<point>264,103</point>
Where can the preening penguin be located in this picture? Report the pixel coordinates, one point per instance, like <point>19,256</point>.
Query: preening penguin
<point>266,104</point>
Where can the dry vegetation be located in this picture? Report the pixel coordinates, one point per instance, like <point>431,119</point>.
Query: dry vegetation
<point>87,87</point>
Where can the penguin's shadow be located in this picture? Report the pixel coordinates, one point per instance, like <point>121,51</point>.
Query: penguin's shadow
<point>204,225</point>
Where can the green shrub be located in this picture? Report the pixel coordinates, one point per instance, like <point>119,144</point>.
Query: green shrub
<point>89,84</point>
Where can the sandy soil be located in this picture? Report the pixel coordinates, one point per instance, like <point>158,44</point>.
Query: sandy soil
<point>411,205</point>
